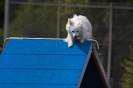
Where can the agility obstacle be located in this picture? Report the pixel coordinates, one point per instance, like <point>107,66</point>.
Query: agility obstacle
<point>49,63</point>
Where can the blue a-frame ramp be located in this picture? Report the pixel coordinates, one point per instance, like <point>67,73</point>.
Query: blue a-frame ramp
<point>49,63</point>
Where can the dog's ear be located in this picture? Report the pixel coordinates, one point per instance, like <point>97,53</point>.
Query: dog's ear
<point>70,21</point>
<point>80,23</point>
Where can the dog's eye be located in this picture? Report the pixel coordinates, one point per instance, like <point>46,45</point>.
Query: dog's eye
<point>72,31</point>
<point>77,31</point>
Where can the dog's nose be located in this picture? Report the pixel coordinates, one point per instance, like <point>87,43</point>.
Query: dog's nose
<point>75,37</point>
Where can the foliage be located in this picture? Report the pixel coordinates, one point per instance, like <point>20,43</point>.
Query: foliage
<point>128,75</point>
<point>34,21</point>
<point>122,37</point>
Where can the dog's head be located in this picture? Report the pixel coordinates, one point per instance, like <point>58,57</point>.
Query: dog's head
<point>75,28</point>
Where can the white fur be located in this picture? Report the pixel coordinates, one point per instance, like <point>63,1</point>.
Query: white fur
<point>79,27</point>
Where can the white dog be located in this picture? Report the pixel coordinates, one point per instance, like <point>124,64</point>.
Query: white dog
<point>79,28</point>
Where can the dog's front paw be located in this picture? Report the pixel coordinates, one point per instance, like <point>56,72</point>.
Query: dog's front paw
<point>70,44</point>
<point>82,40</point>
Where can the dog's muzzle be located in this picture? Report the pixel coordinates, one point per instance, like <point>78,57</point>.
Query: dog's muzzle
<point>75,37</point>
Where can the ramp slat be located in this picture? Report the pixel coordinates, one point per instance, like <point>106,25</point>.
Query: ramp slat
<point>42,61</point>
<point>8,85</point>
<point>46,46</point>
<point>39,76</point>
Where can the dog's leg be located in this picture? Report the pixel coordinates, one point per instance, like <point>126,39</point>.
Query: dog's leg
<point>82,39</point>
<point>66,39</point>
<point>70,42</point>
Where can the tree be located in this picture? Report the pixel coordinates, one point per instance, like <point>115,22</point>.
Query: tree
<point>34,21</point>
<point>127,77</point>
